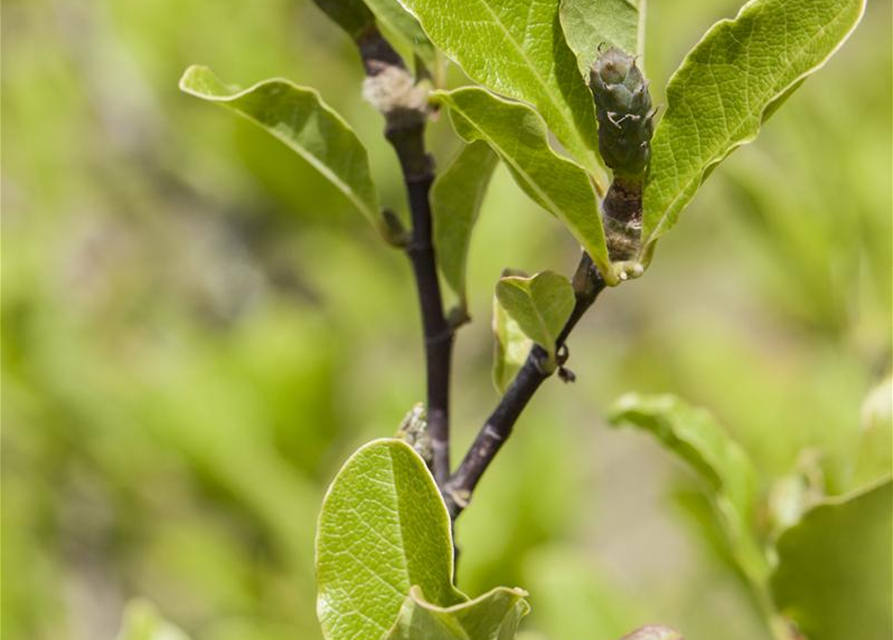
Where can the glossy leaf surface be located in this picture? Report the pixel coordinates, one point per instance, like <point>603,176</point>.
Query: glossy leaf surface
<point>731,81</point>
<point>383,529</point>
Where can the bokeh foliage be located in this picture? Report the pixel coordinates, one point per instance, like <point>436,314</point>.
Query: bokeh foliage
<point>197,330</point>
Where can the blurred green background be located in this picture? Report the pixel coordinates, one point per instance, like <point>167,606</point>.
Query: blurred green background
<point>198,329</point>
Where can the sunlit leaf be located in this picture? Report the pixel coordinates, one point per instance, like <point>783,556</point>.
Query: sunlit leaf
<point>728,85</point>
<point>591,24</point>
<point>518,49</point>
<point>834,568</point>
<point>456,198</point>
<point>493,616</point>
<point>383,529</point>
<point>299,118</point>
<point>517,133</point>
<point>541,305</point>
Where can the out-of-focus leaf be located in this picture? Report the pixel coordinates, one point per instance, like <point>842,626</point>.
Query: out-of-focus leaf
<point>653,632</point>
<point>541,305</point>
<point>518,49</point>
<point>732,80</point>
<point>351,15</point>
<point>834,568</point>
<point>493,616</point>
<point>143,622</point>
<point>383,528</point>
<point>517,133</point>
<point>874,458</point>
<point>299,118</point>
<point>511,347</point>
<point>695,437</point>
<point>456,198</point>
<point>591,24</point>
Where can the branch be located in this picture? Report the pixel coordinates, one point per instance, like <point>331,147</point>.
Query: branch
<point>404,104</point>
<point>498,427</point>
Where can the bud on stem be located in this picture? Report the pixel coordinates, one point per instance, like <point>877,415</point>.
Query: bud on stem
<point>624,112</point>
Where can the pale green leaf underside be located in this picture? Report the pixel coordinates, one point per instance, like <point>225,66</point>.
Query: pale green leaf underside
<point>511,347</point>
<point>383,529</point>
<point>392,15</point>
<point>515,132</point>
<point>143,622</point>
<point>540,305</point>
<point>456,198</point>
<point>518,49</point>
<point>717,99</point>
<point>694,436</point>
<point>590,24</point>
<point>834,568</point>
<point>493,616</point>
<point>299,118</point>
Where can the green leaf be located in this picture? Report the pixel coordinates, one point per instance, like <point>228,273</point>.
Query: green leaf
<point>143,622</point>
<point>541,305</point>
<point>727,85</point>
<point>392,15</point>
<point>493,616</point>
<point>299,118</point>
<point>834,568</point>
<point>517,49</point>
<point>383,528</point>
<point>512,347</point>
<point>456,198</point>
<point>519,136</point>
<point>351,15</point>
<point>591,24</point>
<point>695,437</point>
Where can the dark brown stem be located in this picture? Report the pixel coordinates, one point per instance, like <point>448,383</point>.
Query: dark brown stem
<point>405,130</point>
<point>498,427</point>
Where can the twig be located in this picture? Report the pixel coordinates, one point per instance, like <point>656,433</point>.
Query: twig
<point>498,427</point>
<point>391,89</point>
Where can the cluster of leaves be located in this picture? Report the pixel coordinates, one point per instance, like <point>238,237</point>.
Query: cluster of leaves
<point>794,546</point>
<point>384,556</point>
<point>538,56</point>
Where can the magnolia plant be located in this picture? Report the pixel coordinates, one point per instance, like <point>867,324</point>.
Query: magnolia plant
<point>561,97</point>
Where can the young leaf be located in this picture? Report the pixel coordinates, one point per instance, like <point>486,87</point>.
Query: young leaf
<point>493,616</point>
<point>727,85</point>
<point>695,437</point>
<point>517,133</point>
<point>518,49</point>
<point>299,118</point>
<point>540,305</point>
<point>143,622</point>
<point>834,568</point>
<point>512,347</point>
<point>456,198</point>
<point>383,528</point>
<point>592,24</point>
